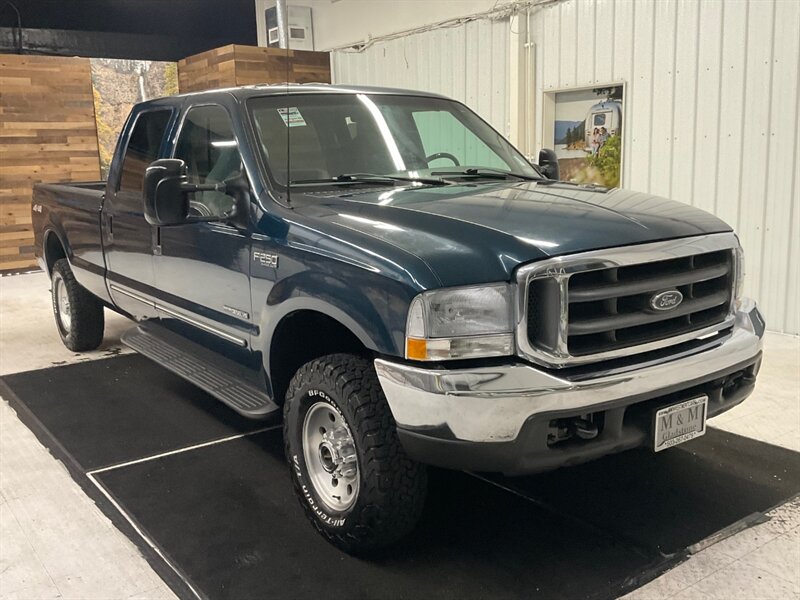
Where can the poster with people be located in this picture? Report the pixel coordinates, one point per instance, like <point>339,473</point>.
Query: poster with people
<point>587,135</point>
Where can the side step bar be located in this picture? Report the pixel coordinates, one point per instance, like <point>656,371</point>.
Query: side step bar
<point>217,375</point>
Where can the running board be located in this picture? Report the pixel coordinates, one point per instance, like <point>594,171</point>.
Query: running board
<point>217,375</point>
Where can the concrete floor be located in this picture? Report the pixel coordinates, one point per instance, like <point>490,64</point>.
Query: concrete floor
<point>57,544</point>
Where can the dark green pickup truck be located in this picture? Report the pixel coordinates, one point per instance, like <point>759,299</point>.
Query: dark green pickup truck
<point>385,271</point>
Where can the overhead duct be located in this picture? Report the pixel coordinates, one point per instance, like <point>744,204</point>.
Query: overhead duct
<point>289,26</point>
<point>282,18</point>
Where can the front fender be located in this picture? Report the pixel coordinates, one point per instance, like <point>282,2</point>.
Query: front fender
<point>372,307</point>
<point>364,335</point>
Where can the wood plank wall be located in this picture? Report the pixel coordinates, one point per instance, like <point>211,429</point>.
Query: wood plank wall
<point>248,65</point>
<point>47,122</point>
<point>208,70</point>
<point>47,133</point>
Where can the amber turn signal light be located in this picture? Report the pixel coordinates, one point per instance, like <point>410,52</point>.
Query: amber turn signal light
<point>416,349</point>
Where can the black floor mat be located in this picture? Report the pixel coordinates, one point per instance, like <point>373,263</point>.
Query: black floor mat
<point>114,410</point>
<point>226,517</point>
<point>671,500</point>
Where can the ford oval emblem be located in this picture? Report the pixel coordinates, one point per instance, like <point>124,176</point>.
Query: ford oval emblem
<point>666,300</point>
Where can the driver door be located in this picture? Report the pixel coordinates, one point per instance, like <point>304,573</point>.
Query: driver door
<point>202,269</point>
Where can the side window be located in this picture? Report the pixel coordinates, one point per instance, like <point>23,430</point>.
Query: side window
<point>441,132</point>
<point>208,147</point>
<point>143,147</point>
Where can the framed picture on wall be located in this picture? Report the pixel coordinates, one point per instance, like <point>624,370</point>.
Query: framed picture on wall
<point>584,127</point>
<point>118,84</point>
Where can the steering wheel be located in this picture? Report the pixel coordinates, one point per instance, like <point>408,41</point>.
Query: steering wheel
<point>446,155</point>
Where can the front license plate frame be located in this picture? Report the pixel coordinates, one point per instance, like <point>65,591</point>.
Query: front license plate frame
<point>679,423</point>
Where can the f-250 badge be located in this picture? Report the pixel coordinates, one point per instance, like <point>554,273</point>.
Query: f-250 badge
<point>265,259</point>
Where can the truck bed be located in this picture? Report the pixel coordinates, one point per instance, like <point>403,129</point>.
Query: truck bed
<point>69,188</point>
<point>71,213</point>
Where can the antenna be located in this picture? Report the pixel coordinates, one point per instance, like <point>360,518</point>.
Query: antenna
<point>282,17</point>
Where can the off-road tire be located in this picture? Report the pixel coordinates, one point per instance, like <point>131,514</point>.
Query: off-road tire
<point>87,321</point>
<point>392,487</point>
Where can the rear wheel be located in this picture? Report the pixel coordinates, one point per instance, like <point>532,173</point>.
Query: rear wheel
<point>355,482</point>
<point>79,315</point>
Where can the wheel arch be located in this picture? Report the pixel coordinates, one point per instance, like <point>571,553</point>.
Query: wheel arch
<point>53,249</point>
<point>304,334</point>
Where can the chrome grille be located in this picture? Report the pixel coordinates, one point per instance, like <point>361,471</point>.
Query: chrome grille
<point>596,305</point>
<point>610,309</point>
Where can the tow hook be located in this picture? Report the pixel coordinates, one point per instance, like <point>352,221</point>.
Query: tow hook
<point>565,429</point>
<point>586,430</point>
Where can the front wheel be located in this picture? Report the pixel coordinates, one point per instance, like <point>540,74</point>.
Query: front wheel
<point>79,314</point>
<point>353,478</point>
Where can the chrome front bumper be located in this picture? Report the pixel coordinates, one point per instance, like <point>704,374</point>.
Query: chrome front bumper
<point>491,404</point>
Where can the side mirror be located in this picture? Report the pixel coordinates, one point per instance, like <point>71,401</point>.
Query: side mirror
<point>548,162</point>
<point>166,192</point>
<point>165,201</point>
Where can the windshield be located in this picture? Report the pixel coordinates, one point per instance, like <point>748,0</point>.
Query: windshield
<point>314,137</point>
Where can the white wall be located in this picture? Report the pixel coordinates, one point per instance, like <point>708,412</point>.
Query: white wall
<point>712,107</point>
<point>468,63</point>
<point>712,115</point>
<point>342,22</point>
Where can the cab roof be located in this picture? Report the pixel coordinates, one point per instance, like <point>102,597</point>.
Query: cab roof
<point>249,91</point>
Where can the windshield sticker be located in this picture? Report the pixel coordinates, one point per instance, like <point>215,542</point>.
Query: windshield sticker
<point>292,117</point>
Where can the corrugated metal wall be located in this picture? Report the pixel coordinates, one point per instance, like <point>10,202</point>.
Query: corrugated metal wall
<point>712,116</point>
<point>468,63</point>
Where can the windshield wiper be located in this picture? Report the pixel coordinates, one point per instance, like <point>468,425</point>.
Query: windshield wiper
<point>484,173</point>
<point>369,178</point>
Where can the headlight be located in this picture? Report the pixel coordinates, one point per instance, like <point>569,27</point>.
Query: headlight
<point>461,323</point>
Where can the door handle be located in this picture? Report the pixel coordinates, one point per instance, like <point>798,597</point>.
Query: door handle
<point>156,237</point>
<point>226,229</point>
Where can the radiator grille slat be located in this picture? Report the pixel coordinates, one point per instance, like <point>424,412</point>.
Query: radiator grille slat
<point>647,284</point>
<point>614,321</point>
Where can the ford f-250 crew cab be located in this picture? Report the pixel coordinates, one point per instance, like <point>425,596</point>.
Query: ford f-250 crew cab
<point>396,278</point>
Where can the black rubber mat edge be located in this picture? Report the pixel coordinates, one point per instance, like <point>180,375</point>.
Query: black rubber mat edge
<point>169,573</point>
<point>757,518</point>
<point>669,562</point>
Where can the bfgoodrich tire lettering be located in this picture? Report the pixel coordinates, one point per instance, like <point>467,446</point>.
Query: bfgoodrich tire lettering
<point>79,315</point>
<point>391,487</point>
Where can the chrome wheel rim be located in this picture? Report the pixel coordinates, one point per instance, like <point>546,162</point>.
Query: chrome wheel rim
<point>62,303</point>
<point>330,456</point>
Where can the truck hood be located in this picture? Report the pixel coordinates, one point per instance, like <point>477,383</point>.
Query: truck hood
<point>476,233</point>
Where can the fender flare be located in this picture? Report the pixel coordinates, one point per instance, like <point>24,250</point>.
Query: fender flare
<point>279,313</point>
<point>52,230</point>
